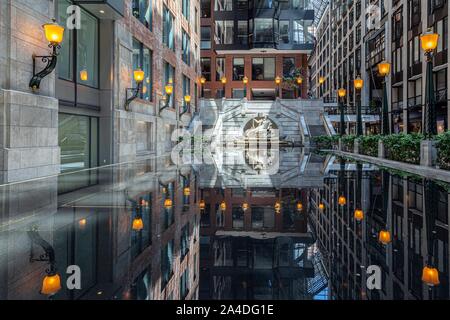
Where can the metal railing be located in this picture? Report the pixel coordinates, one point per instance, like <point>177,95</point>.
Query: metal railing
<point>365,110</point>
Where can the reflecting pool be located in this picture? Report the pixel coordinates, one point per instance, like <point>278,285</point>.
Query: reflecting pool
<point>301,226</point>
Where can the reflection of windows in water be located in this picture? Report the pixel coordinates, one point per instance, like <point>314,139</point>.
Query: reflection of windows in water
<point>263,217</point>
<point>238,218</point>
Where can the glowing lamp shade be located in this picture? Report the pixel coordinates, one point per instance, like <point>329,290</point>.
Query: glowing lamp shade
<point>299,206</point>
<point>54,33</point>
<point>187,98</point>
<point>321,80</point>
<point>384,237</point>
<point>187,191</point>
<point>359,215</point>
<point>138,224</point>
<point>51,284</point>
<point>244,80</point>
<point>169,89</point>
<point>358,83</point>
<point>430,276</point>
<point>342,92</point>
<point>168,203</point>
<point>384,68</point>
<point>202,205</point>
<point>299,80</point>
<point>429,41</point>
<point>277,80</point>
<point>342,201</point>
<point>82,223</point>
<point>223,80</point>
<point>245,206</point>
<point>202,80</point>
<point>84,75</point>
<point>223,206</point>
<point>139,75</point>
<point>321,206</point>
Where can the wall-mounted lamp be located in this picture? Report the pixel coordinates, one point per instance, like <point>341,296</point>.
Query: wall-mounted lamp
<point>169,91</point>
<point>139,78</point>
<point>84,76</point>
<point>51,283</point>
<point>54,34</point>
<point>202,84</point>
<point>187,107</point>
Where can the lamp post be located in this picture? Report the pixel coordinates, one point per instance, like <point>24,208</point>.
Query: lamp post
<point>138,76</point>
<point>245,82</point>
<point>202,84</point>
<point>384,68</point>
<point>187,107</point>
<point>278,83</point>
<point>168,90</point>
<point>429,41</point>
<point>321,82</point>
<point>54,34</point>
<point>299,81</point>
<point>358,84</point>
<point>342,93</point>
<point>223,80</point>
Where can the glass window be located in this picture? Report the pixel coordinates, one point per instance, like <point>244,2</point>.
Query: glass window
<point>288,67</point>
<point>264,30</point>
<point>169,76</point>
<point>224,31</point>
<point>300,32</point>
<point>238,69</point>
<point>142,10</point>
<point>263,68</point>
<point>206,68</point>
<point>220,68</point>
<point>284,31</point>
<point>205,42</point>
<point>86,48</point>
<point>186,48</point>
<point>242,4</point>
<point>167,255</point>
<point>168,32</point>
<point>223,5</point>
<point>242,32</point>
<point>142,59</point>
<point>238,93</point>
<point>185,8</point>
<point>264,4</point>
<point>206,8</point>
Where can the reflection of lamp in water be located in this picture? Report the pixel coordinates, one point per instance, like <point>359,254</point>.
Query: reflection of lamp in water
<point>384,237</point>
<point>358,214</point>
<point>245,206</point>
<point>299,206</point>
<point>202,204</point>
<point>51,284</point>
<point>321,206</point>
<point>430,276</point>
<point>187,191</point>
<point>82,223</point>
<point>138,224</point>
<point>168,203</point>
<point>277,206</point>
<point>223,206</point>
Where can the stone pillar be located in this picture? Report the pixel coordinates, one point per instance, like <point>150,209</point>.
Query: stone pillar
<point>356,146</point>
<point>428,153</point>
<point>28,121</point>
<point>381,149</point>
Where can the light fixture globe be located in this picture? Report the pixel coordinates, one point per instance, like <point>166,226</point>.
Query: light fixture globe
<point>51,284</point>
<point>223,80</point>
<point>321,206</point>
<point>321,80</point>
<point>54,33</point>
<point>168,89</point>
<point>358,83</point>
<point>299,80</point>
<point>223,206</point>
<point>342,201</point>
<point>245,206</point>
<point>187,98</point>
<point>202,204</point>
<point>429,40</point>
<point>384,237</point>
<point>430,276</point>
<point>384,68</point>
<point>299,206</point>
<point>278,80</point>
<point>168,203</point>
<point>358,215</point>
<point>187,191</point>
<point>84,76</point>
<point>342,92</point>
<point>202,80</point>
<point>138,75</point>
<point>138,224</point>
<point>277,206</point>
<point>244,80</point>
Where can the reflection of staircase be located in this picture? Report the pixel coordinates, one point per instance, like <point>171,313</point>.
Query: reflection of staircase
<point>317,130</point>
<point>320,281</point>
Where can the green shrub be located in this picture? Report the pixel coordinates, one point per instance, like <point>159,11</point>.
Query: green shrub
<point>443,150</point>
<point>325,142</point>
<point>403,147</point>
<point>369,145</point>
<point>348,142</point>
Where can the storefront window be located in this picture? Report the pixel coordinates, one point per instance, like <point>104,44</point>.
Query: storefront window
<point>263,68</point>
<point>238,69</point>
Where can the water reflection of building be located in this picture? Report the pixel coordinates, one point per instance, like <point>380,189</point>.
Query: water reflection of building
<point>121,232</point>
<point>388,201</point>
